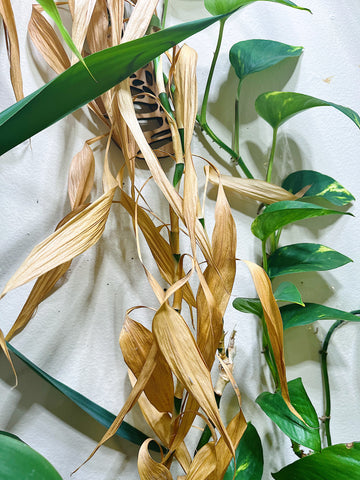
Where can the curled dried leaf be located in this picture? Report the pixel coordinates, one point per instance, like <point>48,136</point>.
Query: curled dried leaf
<point>148,468</point>
<point>81,176</point>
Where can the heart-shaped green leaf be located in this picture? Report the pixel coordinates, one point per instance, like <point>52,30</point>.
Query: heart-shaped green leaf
<point>294,315</point>
<point>273,404</point>
<point>249,457</point>
<point>20,462</point>
<point>248,305</point>
<point>252,56</point>
<point>287,292</point>
<point>338,462</point>
<point>321,186</point>
<point>279,214</point>
<point>220,7</point>
<point>277,107</point>
<point>304,257</point>
<point>75,87</point>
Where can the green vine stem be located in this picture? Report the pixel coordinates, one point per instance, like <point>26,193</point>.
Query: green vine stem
<point>272,154</point>
<point>163,18</point>
<point>325,375</point>
<point>237,121</point>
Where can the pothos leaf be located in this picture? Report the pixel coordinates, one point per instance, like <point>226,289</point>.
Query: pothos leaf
<point>279,214</point>
<point>306,434</point>
<point>321,186</point>
<point>338,462</point>
<point>277,107</point>
<point>252,56</point>
<point>295,316</point>
<point>219,7</point>
<point>287,292</point>
<point>304,257</point>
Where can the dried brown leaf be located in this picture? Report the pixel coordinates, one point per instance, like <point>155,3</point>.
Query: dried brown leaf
<point>259,190</point>
<point>82,13</point>
<point>116,12</point>
<point>72,239</point>
<point>4,348</point>
<point>12,44</point>
<point>179,348</point>
<point>81,176</point>
<point>47,42</point>
<point>97,35</point>
<point>148,468</point>
<point>203,467</point>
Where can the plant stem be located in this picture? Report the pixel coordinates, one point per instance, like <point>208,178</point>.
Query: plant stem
<point>213,136</point>
<point>272,154</point>
<point>264,255</point>
<point>237,121</point>
<point>163,18</point>
<point>325,375</point>
<point>211,72</point>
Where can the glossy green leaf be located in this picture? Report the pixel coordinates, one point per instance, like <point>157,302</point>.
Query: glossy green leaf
<point>220,7</point>
<point>20,462</point>
<point>75,87</point>
<point>252,56</point>
<point>248,305</point>
<point>51,9</point>
<point>295,316</point>
<point>277,107</point>
<point>273,404</point>
<point>249,457</point>
<point>279,214</point>
<point>338,462</point>
<point>287,292</point>
<point>321,186</point>
<point>304,257</point>
<point>104,417</point>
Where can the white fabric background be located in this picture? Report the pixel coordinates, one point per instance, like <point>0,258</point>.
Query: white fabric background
<point>74,335</point>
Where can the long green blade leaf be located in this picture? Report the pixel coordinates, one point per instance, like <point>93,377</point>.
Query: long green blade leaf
<point>338,462</point>
<point>295,315</point>
<point>277,107</point>
<point>219,7</point>
<point>75,88</point>
<point>304,257</point>
<point>18,461</point>
<point>273,404</point>
<point>252,56</point>
<point>279,214</point>
<point>249,457</point>
<point>321,186</point>
<point>104,417</point>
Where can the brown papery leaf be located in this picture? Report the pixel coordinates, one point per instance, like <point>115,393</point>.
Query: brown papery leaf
<point>47,42</point>
<point>161,424</point>
<point>116,12</point>
<point>148,468</point>
<point>12,44</point>
<point>135,343</point>
<point>203,467</point>
<point>235,429</point>
<point>97,35</point>
<point>259,190</point>
<point>179,348</point>
<point>274,325</point>
<point>82,13</point>
<point>219,280</point>
<point>4,348</point>
<point>139,20</point>
<point>81,176</point>
<point>72,239</point>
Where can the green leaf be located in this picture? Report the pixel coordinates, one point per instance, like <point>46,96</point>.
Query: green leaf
<point>248,305</point>
<point>249,457</point>
<point>304,257</point>
<point>287,292</point>
<point>277,107</point>
<point>273,404</point>
<point>220,7</point>
<point>74,88</point>
<point>338,462</point>
<point>295,316</point>
<point>252,56</point>
<point>51,9</point>
<point>279,214</point>
<point>104,417</point>
<point>20,462</point>
<point>320,186</point>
